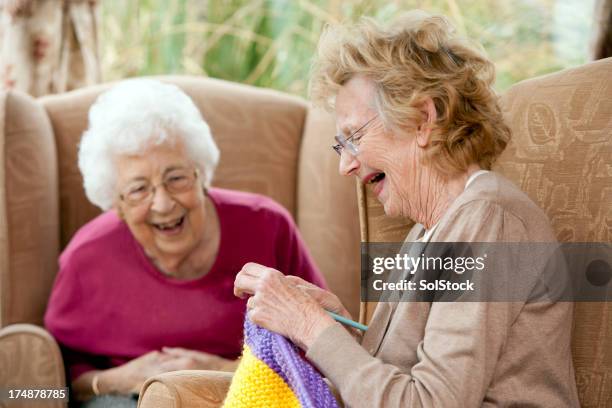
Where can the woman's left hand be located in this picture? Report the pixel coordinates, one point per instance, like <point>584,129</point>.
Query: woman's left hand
<point>277,305</point>
<point>199,360</point>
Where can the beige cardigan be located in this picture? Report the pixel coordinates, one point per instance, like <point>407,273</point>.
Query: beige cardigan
<point>462,354</point>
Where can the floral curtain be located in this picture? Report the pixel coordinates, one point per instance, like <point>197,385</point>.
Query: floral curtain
<point>48,46</point>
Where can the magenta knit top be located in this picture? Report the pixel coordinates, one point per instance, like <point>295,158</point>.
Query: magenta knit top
<point>110,304</point>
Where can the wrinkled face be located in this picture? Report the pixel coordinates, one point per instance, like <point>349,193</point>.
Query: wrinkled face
<point>168,225</point>
<point>388,160</point>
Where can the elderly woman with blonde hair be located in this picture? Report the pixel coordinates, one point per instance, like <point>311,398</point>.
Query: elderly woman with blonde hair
<point>146,287</point>
<point>419,121</point>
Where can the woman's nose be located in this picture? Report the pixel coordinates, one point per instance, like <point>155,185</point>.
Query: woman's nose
<point>162,201</point>
<point>349,164</point>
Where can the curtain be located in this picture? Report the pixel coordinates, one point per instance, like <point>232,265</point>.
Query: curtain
<point>602,39</point>
<point>48,46</point>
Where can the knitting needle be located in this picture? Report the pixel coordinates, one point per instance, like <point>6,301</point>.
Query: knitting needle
<point>346,321</point>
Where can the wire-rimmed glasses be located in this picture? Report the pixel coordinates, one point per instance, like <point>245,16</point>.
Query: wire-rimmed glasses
<point>349,142</point>
<point>175,182</point>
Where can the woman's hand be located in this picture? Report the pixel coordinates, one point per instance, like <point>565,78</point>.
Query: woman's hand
<point>278,305</point>
<point>326,299</point>
<point>129,377</point>
<point>198,360</point>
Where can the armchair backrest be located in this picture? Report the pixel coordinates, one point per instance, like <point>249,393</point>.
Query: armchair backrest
<point>271,143</point>
<point>561,156</point>
<point>29,209</point>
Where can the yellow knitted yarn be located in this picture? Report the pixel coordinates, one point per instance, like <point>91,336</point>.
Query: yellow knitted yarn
<point>257,385</point>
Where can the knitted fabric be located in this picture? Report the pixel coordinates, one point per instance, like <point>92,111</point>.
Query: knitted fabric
<point>272,373</point>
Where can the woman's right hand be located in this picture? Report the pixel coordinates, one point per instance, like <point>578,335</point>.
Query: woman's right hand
<point>326,299</point>
<point>129,377</point>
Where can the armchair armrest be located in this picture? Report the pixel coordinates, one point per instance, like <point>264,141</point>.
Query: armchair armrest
<point>185,389</point>
<point>31,358</point>
<point>192,388</point>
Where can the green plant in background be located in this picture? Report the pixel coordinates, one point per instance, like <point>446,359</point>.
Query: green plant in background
<point>270,43</point>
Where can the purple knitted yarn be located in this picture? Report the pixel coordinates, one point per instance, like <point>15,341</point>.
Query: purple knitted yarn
<point>283,357</point>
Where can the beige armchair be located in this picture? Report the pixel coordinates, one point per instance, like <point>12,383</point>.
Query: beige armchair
<point>270,143</point>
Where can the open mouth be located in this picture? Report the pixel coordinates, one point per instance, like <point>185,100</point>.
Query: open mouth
<point>378,177</point>
<point>170,227</point>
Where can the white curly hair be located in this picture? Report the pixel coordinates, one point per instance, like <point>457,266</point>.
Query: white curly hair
<point>132,116</point>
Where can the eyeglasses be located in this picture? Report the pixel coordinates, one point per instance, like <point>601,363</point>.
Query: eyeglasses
<point>349,143</point>
<point>175,182</point>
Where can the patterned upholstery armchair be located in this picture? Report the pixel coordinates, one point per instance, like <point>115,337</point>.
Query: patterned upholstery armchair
<point>270,143</point>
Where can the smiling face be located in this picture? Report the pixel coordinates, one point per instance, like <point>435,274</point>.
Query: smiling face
<point>169,226</point>
<point>387,159</point>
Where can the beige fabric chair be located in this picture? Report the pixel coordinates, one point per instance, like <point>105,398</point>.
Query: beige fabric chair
<point>270,143</point>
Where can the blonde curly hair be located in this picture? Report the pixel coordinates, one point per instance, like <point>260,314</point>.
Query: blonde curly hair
<point>419,56</point>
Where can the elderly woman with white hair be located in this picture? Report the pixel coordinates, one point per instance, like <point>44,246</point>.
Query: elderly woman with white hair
<point>146,287</point>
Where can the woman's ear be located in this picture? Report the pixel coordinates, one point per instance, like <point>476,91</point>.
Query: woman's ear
<point>200,174</point>
<point>428,109</point>
<point>117,207</point>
